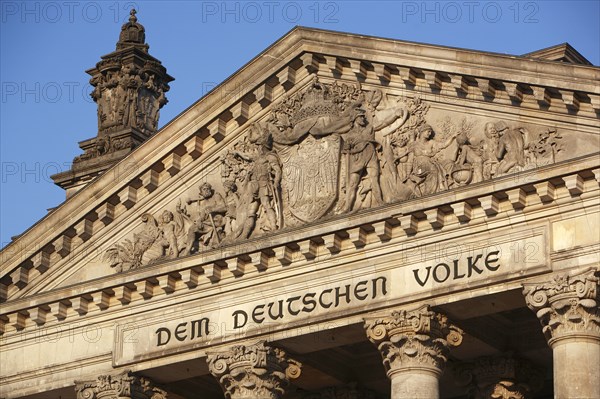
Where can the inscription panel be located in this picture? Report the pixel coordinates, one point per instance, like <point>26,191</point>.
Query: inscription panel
<point>455,266</point>
<point>331,296</point>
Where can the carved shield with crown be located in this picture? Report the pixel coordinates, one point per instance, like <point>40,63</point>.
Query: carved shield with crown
<point>309,147</point>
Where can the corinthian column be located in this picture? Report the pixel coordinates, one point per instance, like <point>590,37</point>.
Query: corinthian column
<point>253,371</point>
<point>120,386</point>
<point>415,347</point>
<point>567,307</point>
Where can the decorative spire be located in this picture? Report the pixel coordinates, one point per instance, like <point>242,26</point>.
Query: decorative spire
<point>129,89</point>
<point>132,34</point>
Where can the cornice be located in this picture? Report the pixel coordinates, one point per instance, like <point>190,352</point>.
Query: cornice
<point>396,223</point>
<point>208,125</point>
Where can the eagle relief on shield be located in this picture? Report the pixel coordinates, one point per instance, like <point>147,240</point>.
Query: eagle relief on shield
<point>305,135</point>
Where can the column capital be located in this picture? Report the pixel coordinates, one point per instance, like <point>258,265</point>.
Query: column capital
<point>500,377</point>
<point>254,371</point>
<point>415,339</point>
<point>118,386</point>
<point>567,305</point>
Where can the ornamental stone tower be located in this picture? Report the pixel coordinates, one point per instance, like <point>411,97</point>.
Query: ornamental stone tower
<point>129,88</point>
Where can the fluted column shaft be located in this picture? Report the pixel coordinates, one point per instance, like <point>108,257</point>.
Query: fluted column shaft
<point>414,346</point>
<point>253,371</point>
<point>415,383</point>
<point>567,307</point>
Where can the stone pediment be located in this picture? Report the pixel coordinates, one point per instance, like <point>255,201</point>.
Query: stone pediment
<point>322,132</point>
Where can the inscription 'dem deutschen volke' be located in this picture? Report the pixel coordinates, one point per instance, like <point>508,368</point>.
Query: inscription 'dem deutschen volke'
<point>331,298</point>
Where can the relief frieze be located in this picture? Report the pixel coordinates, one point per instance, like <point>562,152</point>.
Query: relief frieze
<point>334,149</point>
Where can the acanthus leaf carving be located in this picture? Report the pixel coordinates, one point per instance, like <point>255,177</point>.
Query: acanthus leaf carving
<point>416,338</point>
<point>120,386</point>
<point>253,371</point>
<point>567,305</point>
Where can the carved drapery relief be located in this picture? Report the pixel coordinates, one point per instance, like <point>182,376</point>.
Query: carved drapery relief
<point>419,338</point>
<point>499,378</point>
<point>253,371</point>
<point>567,305</point>
<point>121,386</point>
<point>333,149</point>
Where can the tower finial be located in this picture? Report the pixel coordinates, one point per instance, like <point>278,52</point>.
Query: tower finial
<point>132,34</point>
<point>129,89</point>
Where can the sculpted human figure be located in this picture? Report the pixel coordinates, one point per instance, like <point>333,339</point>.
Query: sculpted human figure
<point>470,154</point>
<point>170,232</point>
<point>510,150</point>
<point>240,217</point>
<point>426,172</point>
<point>398,147</point>
<point>208,220</point>
<point>247,208</point>
<point>361,147</point>
<point>394,115</point>
<point>489,148</point>
<point>102,145</point>
<point>264,178</point>
<point>130,82</point>
<point>232,200</point>
<point>114,100</point>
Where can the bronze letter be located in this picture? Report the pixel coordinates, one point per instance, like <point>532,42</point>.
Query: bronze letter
<point>178,332</point>
<point>276,316</point>
<point>290,310</point>
<point>383,286</point>
<point>422,283</point>
<point>159,336</point>
<point>358,291</point>
<point>345,294</point>
<point>198,324</point>
<point>456,275</point>
<point>236,323</point>
<point>471,265</point>
<point>321,299</point>
<point>488,261</point>
<point>308,300</point>
<point>256,314</point>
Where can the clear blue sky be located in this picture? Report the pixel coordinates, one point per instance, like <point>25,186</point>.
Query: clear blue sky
<point>47,45</point>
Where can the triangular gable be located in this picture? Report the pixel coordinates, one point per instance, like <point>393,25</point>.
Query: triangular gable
<point>399,87</point>
<point>563,52</point>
